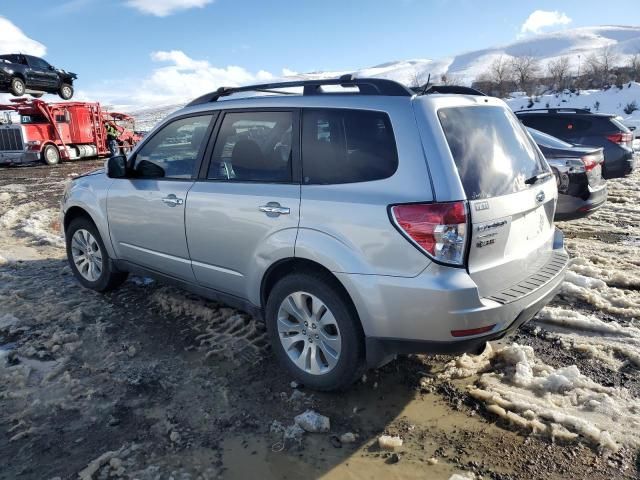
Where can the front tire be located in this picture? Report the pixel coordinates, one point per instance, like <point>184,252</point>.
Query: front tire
<point>51,155</point>
<point>17,87</point>
<point>315,332</point>
<point>66,91</point>
<point>88,258</point>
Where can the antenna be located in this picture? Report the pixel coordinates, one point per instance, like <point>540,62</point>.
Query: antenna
<point>426,85</point>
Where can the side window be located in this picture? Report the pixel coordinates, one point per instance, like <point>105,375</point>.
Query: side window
<point>38,63</point>
<point>173,151</point>
<point>347,146</point>
<point>253,147</point>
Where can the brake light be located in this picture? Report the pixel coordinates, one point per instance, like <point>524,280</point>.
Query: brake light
<point>621,138</point>
<point>439,229</point>
<point>591,161</point>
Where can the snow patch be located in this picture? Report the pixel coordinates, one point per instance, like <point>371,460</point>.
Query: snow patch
<point>561,403</point>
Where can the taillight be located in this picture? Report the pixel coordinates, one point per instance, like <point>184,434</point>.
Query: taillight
<point>439,229</point>
<point>591,161</point>
<point>621,138</point>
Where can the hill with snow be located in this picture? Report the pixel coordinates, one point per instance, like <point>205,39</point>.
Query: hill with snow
<point>577,43</point>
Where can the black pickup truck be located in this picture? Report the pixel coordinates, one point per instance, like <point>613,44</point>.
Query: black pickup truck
<point>20,74</point>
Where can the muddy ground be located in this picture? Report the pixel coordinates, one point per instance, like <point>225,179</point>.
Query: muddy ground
<point>151,383</point>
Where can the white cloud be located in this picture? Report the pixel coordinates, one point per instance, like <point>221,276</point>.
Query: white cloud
<point>286,72</point>
<point>180,80</point>
<point>163,8</point>
<point>541,19</point>
<point>13,40</point>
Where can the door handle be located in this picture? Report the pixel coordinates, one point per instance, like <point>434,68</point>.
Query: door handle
<point>172,200</point>
<point>273,209</point>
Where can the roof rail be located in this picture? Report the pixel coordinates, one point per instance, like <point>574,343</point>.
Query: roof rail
<point>366,86</point>
<point>556,110</point>
<point>456,89</point>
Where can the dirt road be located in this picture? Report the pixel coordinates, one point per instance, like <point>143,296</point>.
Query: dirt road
<point>151,383</point>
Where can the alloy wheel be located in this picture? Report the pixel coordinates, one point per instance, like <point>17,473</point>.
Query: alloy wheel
<point>309,333</point>
<point>87,255</point>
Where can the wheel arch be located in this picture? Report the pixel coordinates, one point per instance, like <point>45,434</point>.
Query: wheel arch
<point>85,209</point>
<point>285,266</point>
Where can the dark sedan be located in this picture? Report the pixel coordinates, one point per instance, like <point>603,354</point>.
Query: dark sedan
<point>578,172</point>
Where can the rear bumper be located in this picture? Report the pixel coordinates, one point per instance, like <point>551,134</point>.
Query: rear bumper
<point>418,315</point>
<point>571,208</point>
<point>14,158</point>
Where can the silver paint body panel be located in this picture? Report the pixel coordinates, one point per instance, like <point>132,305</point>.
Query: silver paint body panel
<point>220,239</point>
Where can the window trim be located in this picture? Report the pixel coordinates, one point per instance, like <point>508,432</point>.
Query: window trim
<point>296,166</point>
<point>349,109</point>
<point>199,158</point>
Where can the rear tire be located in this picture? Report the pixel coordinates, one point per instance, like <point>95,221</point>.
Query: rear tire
<point>320,344</point>
<point>66,91</point>
<point>51,155</point>
<point>88,258</point>
<point>17,87</point>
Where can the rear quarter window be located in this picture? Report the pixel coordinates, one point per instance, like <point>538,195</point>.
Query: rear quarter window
<point>347,146</point>
<point>492,152</point>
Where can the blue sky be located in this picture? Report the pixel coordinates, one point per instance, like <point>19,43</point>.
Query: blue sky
<point>111,43</point>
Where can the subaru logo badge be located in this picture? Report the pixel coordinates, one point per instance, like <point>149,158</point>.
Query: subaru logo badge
<point>540,197</point>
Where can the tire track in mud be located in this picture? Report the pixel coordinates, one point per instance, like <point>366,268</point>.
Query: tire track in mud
<point>219,331</point>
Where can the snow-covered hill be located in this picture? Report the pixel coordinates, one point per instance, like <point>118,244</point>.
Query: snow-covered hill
<point>577,43</point>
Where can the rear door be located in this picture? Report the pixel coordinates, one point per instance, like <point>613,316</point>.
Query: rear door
<point>146,211</point>
<point>242,214</point>
<point>511,213</point>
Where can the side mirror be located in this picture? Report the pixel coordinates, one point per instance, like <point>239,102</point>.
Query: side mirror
<point>116,166</point>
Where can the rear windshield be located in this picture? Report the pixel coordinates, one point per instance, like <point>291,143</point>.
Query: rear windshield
<point>492,152</point>
<point>547,140</point>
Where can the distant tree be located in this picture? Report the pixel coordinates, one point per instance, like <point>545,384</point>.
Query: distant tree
<point>450,79</point>
<point>634,66</point>
<point>500,74</point>
<point>525,69</point>
<point>560,71</point>
<point>600,65</point>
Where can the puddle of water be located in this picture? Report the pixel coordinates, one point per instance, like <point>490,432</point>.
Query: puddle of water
<point>245,456</point>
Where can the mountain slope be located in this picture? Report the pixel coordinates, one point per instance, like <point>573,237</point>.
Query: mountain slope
<point>623,40</point>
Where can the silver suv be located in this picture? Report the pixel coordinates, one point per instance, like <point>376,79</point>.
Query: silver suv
<point>357,218</point>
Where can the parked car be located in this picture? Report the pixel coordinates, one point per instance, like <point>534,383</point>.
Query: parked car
<point>581,127</point>
<point>21,74</point>
<point>578,172</point>
<point>358,225</point>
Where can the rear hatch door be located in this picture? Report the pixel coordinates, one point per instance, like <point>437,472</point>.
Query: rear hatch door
<point>512,195</point>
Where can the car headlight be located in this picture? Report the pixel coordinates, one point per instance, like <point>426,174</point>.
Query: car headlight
<point>7,70</point>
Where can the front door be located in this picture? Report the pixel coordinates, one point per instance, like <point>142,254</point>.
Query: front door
<point>244,215</point>
<point>146,211</point>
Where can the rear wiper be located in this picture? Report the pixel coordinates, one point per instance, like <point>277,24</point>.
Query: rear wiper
<point>537,178</point>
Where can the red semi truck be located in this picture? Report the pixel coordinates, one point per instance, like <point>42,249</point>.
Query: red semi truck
<point>32,130</point>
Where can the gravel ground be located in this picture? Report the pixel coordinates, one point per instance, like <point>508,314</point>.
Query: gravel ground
<point>151,383</point>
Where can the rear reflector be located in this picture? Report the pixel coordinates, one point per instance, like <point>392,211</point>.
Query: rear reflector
<point>472,331</point>
<point>439,229</point>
